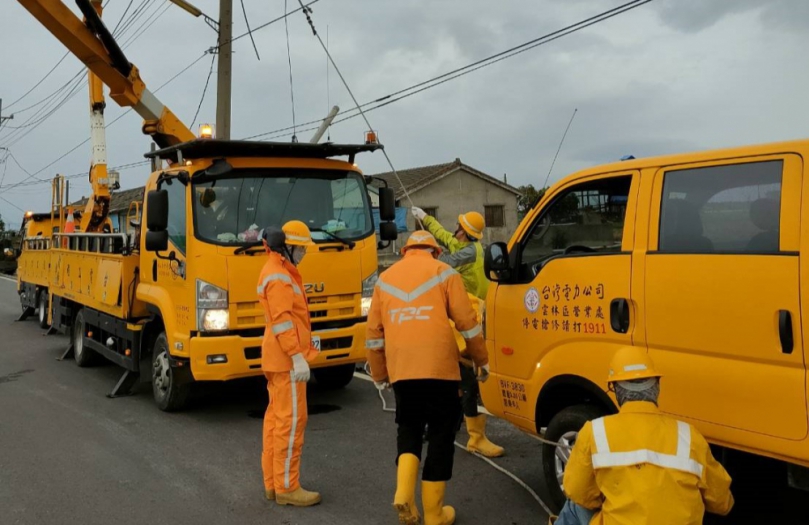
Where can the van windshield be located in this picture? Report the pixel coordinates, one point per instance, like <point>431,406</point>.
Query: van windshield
<point>234,209</point>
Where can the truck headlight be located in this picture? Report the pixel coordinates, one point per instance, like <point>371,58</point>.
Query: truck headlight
<point>367,292</point>
<point>216,320</point>
<point>365,306</point>
<point>212,307</point>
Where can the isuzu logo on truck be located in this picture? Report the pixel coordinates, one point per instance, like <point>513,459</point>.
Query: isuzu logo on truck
<point>314,287</point>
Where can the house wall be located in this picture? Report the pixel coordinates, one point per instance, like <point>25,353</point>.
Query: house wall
<point>455,194</point>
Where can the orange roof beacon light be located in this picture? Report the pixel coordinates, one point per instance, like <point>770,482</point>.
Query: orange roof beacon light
<point>206,131</point>
<point>371,138</point>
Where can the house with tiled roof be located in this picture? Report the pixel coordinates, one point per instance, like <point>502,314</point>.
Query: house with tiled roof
<point>119,206</point>
<point>447,190</point>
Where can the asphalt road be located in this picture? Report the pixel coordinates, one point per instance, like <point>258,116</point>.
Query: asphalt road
<point>70,455</point>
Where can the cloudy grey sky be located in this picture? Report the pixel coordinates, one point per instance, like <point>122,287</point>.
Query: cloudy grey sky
<point>670,76</point>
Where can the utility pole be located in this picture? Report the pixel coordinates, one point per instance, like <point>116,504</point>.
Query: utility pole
<point>224,77</point>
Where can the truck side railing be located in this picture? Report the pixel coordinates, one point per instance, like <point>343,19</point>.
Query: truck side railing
<point>37,243</point>
<point>110,243</point>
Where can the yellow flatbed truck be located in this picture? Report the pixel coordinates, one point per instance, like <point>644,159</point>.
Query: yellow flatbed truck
<point>175,301</point>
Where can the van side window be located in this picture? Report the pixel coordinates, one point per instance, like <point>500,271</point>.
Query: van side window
<point>588,218</point>
<point>722,209</point>
<point>177,231</point>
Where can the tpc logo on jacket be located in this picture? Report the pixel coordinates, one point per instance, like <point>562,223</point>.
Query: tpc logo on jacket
<point>410,313</point>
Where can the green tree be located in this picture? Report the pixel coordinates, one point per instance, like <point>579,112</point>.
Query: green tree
<point>528,198</point>
<point>2,224</point>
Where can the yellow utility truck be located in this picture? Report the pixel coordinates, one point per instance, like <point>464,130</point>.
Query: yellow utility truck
<point>174,301</point>
<point>698,258</point>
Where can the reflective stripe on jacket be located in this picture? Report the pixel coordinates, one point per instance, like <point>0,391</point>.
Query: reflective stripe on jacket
<point>288,330</point>
<point>409,335</point>
<point>465,257</point>
<point>641,467</point>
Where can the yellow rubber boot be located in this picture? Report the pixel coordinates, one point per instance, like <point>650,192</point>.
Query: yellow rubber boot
<point>432,497</point>
<point>270,494</point>
<point>298,498</point>
<point>405,499</point>
<point>478,442</point>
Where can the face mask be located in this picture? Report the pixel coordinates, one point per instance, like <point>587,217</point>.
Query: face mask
<point>298,253</point>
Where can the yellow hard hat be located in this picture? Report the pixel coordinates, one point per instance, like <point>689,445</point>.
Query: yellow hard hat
<point>472,223</point>
<point>422,239</point>
<point>631,362</point>
<point>297,234</point>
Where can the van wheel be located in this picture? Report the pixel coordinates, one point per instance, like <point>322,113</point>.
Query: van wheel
<point>42,306</point>
<point>170,393</point>
<point>563,429</point>
<point>84,356</point>
<point>334,377</point>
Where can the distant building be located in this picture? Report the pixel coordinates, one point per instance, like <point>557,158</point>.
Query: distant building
<point>119,207</point>
<point>447,190</point>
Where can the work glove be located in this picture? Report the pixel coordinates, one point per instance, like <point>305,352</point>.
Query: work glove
<point>382,385</point>
<point>418,213</point>
<point>483,373</point>
<point>300,368</point>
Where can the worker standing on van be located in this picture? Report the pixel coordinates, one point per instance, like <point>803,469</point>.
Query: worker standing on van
<point>640,466</point>
<point>285,354</point>
<point>411,346</point>
<point>465,254</point>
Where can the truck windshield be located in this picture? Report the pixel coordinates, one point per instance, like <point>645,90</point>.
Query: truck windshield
<point>232,210</point>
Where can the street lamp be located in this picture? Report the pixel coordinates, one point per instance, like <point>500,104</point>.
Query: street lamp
<point>196,12</point>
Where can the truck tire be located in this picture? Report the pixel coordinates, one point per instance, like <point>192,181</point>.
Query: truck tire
<point>334,377</point>
<point>84,356</point>
<point>170,393</point>
<point>42,309</point>
<point>563,428</point>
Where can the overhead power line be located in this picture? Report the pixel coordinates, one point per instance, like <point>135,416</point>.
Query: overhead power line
<point>122,115</point>
<point>464,70</point>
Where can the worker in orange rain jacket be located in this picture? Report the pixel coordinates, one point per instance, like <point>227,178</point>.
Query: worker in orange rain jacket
<point>412,347</point>
<point>640,467</point>
<point>466,256</point>
<point>285,353</point>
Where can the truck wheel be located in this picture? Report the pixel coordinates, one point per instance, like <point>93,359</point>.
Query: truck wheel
<point>563,429</point>
<point>170,393</point>
<point>42,307</point>
<point>334,377</point>
<point>83,355</point>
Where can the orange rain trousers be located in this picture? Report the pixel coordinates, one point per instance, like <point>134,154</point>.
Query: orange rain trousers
<point>284,424</point>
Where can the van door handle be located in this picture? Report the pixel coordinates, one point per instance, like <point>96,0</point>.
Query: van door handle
<point>785,331</point>
<point>619,315</point>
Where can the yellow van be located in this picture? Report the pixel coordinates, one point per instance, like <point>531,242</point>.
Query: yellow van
<point>695,257</point>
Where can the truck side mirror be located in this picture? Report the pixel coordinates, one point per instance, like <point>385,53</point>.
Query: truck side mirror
<point>157,241</point>
<point>157,217</point>
<point>495,262</point>
<point>387,204</point>
<point>157,220</point>
<point>388,230</point>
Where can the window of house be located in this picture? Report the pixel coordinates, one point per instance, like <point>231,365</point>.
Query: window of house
<point>722,209</point>
<point>177,231</point>
<point>587,218</point>
<point>495,216</point>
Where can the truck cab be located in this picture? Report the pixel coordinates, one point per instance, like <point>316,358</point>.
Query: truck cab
<point>696,258</point>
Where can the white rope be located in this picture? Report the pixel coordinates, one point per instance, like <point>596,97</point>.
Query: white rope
<point>512,476</point>
<point>307,12</point>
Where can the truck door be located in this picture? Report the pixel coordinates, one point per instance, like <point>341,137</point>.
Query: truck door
<point>722,294</point>
<point>571,304</point>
